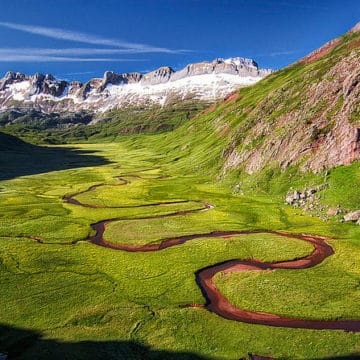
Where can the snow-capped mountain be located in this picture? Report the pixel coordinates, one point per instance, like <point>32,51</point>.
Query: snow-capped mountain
<point>205,81</point>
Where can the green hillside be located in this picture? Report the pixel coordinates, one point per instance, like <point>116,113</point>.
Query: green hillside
<point>280,133</point>
<point>60,128</point>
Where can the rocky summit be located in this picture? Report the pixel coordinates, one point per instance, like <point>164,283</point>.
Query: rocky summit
<point>205,81</point>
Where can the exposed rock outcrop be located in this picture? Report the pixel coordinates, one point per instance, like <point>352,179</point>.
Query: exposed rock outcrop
<point>33,85</point>
<point>353,216</point>
<point>300,198</point>
<point>311,120</point>
<point>233,66</point>
<point>159,76</point>
<point>110,77</point>
<point>11,77</point>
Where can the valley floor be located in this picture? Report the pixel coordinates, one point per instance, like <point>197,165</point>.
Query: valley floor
<point>70,287</point>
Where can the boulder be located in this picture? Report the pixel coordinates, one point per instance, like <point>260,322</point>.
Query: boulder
<point>353,216</point>
<point>332,212</point>
<point>297,195</point>
<point>293,196</point>
<point>310,192</point>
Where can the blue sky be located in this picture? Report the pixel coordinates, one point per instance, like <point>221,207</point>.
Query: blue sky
<point>80,39</point>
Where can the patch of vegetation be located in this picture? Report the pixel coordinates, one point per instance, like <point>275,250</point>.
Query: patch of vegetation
<point>58,128</point>
<point>355,114</point>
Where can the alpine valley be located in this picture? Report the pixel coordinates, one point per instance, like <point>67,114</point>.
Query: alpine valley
<point>207,213</point>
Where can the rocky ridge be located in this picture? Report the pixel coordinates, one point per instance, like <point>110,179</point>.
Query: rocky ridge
<point>309,119</point>
<point>205,81</point>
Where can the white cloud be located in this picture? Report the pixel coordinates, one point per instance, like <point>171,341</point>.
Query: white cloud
<point>286,52</point>
<point>61,55</point>
<point>41,58</point>
<point>80,37</point>
<point>70,51</point>
<point>276,53</point>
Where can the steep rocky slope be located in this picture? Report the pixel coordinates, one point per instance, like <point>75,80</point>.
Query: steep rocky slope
<point>306,115</point>
<point>204,81</point>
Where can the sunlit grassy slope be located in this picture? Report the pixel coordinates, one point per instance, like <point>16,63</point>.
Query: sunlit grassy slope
<point>204,145</point>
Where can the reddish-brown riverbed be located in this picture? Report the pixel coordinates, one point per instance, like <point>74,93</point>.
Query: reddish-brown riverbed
<point>215,300</point>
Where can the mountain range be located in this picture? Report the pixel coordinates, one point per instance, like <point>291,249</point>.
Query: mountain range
<point>208,81</point>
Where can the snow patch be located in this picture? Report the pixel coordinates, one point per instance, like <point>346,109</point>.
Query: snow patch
<point>208,87</point>
<point>19,90</point>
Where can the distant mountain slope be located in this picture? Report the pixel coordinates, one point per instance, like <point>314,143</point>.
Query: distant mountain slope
<point>66,127</point>
<point>203,81</point>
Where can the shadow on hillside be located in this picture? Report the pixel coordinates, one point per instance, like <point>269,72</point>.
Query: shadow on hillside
<point>22,159</point>
<point>28,344</point>
<point>348,357</point>
<point>23,344</point>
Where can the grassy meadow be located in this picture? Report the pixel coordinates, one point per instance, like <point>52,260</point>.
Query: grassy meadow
<point>70,299</point>
<point>63,297</point>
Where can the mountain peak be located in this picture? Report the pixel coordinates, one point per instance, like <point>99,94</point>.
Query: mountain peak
<point>207,80</point>
<point>240,61</point>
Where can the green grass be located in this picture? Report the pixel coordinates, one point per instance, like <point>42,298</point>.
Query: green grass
<point>82,292</point>
<point>60,128</point>
<point>283,291</point>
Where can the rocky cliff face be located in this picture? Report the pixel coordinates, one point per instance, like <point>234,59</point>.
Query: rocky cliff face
<point>206,81</point>
<point>307,115</point>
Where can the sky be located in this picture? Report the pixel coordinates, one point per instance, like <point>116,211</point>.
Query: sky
<point>81,39</point>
